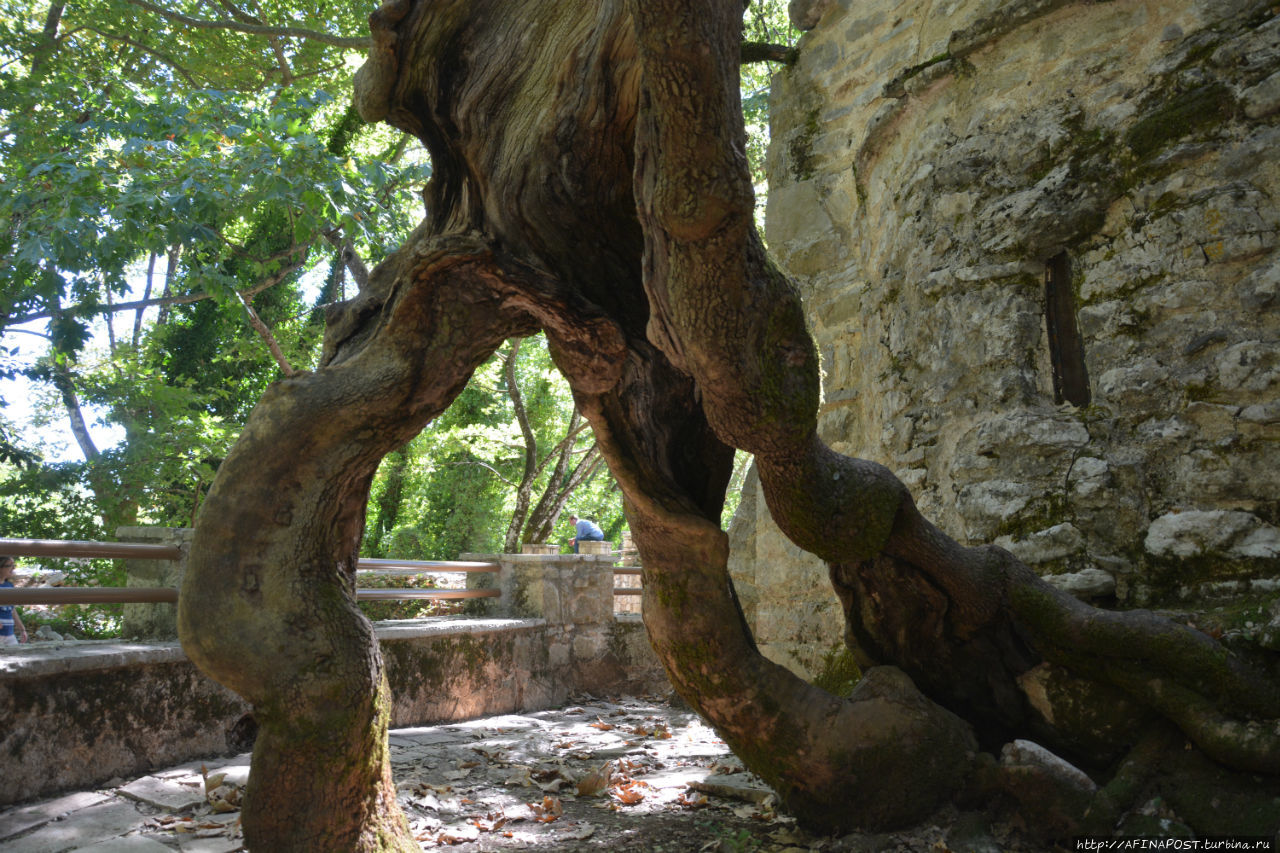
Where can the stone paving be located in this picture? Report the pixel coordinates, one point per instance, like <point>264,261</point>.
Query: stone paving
<point>600,773</point>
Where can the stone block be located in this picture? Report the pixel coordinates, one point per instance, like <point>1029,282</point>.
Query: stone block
<point>1045,546</point>
<point>174,795</point>
<point>1240,535</point>
<point>1086,583</point>
<point>1263,99</point>
<point>1249,366</point>
<point>534,548</point>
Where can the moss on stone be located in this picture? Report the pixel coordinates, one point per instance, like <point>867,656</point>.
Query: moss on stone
<point>1179,116</point>
<point>800,149</point>
<point>1040,514</point>
<point>839,672</point>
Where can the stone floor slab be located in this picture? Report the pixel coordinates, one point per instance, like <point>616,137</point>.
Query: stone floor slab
<point>27,818</point>
<point>210,845</point>
<point>80,829</point>
<point>126,844</point>
<point>167,794</point>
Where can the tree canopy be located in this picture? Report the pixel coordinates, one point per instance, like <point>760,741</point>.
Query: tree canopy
<point>186,189</point>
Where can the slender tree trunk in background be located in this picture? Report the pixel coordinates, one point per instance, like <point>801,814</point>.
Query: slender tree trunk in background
<point>146,295</point>
<point>48,39</point>
<point>529,471</point>
<point>170,271</point>
<point>391,500</point>
<point>615,213</point>
<point>542,520</point>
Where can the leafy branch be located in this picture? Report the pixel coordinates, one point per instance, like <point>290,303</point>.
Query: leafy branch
<point>356,43</point>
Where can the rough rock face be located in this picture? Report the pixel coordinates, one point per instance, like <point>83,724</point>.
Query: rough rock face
<point>1039,243</point>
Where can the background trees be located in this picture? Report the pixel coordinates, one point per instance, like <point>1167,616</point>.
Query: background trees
<point>183,188</point>
<point>193,188</point>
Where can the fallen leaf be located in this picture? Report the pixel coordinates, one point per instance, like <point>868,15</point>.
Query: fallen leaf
<point>519,775</point>
<point>629,792</point>
<point>691,800</point>
<point>596,781</point>
<point>548,810</point>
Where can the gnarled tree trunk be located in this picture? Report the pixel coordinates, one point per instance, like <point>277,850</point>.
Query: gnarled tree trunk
<point>590,180</point>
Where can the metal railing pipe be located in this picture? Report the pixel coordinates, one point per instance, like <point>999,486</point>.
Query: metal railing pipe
<point>377,564</point>
<point>90,595</point>
<point>86,550</point>
<point>168,595</point>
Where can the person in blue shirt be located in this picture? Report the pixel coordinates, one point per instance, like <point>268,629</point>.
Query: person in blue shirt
<point>11,627</point>
<point>585,530</point>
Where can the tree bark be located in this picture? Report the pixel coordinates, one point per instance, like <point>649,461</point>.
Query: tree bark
<point>589,180</point>
<point>267,605</point>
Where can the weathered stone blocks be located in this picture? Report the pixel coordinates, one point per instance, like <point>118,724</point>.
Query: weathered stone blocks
<point>927,160</point>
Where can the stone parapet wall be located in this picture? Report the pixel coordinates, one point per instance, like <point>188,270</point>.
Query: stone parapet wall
<point>930,164</point>
<point>79,713</point>
<point>574,594</point>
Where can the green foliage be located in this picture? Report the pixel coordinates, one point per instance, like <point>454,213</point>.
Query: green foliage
<point>455,483</point>
<point>46,502</point>
<point>763,21</point>
<point>144,156</point>
<point>146,159</point>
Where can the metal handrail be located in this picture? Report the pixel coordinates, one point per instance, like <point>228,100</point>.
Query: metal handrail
<point>85,550</point>
<point>169,595</point>
<point>144,551</point>
<point>417,567</point>
<point>89,595</point>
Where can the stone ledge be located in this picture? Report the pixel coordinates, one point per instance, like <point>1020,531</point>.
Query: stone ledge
<point>37,660</point>
<point>82,712</point>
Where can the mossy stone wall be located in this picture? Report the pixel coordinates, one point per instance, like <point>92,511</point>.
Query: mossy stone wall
<point>927,161</point>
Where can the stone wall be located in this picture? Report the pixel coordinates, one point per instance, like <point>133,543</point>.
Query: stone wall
<point>585,640</point>
<point>79,713</point>
<point>937,165</point>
